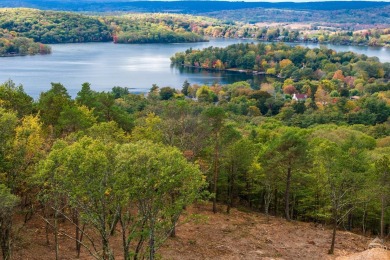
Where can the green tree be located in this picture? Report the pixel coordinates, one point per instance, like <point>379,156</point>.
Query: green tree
<point>83,173</point>
<point>8,202</point>
<point>238,158</point>
<point>14,98</point>
<point>215,117</point>
<point>382,177</point>
<point>159,182</point>
<point>167,93</point>
<point>52,102</point>
<point>287,154</point>
<point>340,157</point>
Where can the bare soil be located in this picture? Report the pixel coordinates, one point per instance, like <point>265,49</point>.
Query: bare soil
<point>238,235</point>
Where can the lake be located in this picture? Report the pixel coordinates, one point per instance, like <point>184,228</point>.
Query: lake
<point>136,66</point>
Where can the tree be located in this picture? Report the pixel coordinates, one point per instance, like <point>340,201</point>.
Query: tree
<point>83,173</point>
<point>382,170</point>
<point>120,92</point>
<point>8,202</point>
<point>167,93</point>
<point>52,102</point>
<point>14,98</point>
<point>237,160</point>
<point>158,182</point>
<point>8,123</point>
<point>28,148</point>
<point>148,128</point>
<point>287,154</point>
<point>86,96</point>
<point>74,118</point>
<point>340,157</point>
<point>186,86</point>
<point>215,120</point>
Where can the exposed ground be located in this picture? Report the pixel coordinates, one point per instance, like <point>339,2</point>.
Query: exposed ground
<point>239,235</point>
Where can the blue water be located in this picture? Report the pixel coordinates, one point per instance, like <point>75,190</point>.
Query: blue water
<point>137,66</point>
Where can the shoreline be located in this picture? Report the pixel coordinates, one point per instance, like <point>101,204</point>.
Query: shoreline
<point>251,72</point>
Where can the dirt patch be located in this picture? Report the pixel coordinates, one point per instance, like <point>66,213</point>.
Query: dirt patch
<point>239,235</point>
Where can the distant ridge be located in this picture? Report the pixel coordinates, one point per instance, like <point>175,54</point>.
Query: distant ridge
<point>188,7</point>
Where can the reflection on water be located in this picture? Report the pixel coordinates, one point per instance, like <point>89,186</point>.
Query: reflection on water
<point>210,77</point>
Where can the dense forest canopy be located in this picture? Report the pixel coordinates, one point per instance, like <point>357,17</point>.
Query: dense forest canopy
<point>54,27</point>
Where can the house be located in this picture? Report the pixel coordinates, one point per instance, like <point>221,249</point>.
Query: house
<point>355,98</point>
<point>299,97</point>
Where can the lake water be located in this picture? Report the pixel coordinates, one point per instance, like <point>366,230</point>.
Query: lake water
<point>137,66</point>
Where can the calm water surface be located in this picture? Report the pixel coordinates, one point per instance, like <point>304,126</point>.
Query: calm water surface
<point>137,66</point>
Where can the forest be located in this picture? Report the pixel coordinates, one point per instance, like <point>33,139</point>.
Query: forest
<point>312,145</point>
<point>62,27</point>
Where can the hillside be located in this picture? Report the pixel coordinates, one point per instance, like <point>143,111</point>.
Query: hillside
<point>240,235</point>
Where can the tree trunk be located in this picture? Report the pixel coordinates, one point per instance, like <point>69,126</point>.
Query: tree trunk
<point>77,231</point>
<point>331,250</point>
<point>335,222</point>
<point>106,249</point>
<point>287,195</point>
<point>151,245</point>
<point>5,237</point>
<point>382,216</point>
<point>267,202</point>
<point>364,219</point>
<point>230,190</point>
<point>275,202</point>
<point>350,219</point>
<point>215,177</point>
<point>56,233</point>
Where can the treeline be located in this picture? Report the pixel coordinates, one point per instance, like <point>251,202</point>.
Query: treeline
<point>109,161</point>
<point>371,37</point>
<point>352,16</point>
<point>62,27</point>
<point>12,45</point>
<point>156,28</point>
<point>171,27</point>
<point>324,34</point>
<point>189,7</point>
<point>54,27</point>
<point>285,61</point>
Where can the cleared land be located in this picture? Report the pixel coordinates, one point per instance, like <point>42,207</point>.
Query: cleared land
<point>240,235</point>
